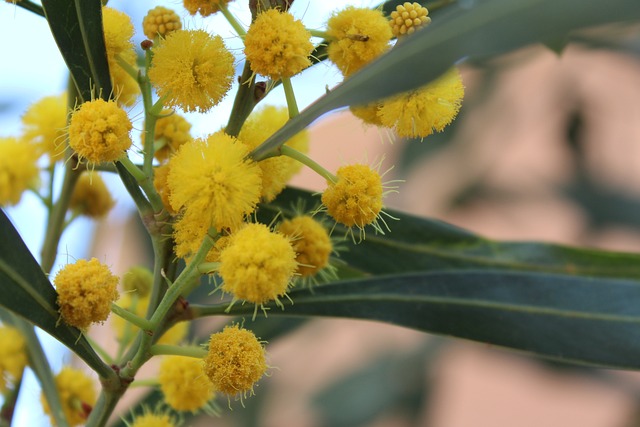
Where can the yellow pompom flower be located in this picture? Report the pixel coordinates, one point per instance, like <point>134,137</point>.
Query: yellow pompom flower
<point>214,179</point>
<point>118,32</point>
<point>138,304</point>
<point>159,22</point>
<point>45,125</point>
<point>420,112</point>
<point>192,70</point>
<point>91,196</point>
<point>99,131</point>
<point>172,130</point>
<point>86,290</point>
<point>407,18</point>
<point>184,384</point>
<point>77,395</point>
<point>153,420</point>
<point>276,171</point>
<point>204,7</point>
<point>257,264</point>
<point>358,36</point>
<point>356,198</point>
<point>18,169</point>
<point>13,356</point>
<point>277,45</point>
<point>236,360</point>
<point>310,242</point>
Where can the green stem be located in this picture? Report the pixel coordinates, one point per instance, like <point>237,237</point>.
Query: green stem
<point>307,161</point>
<point>319,33</point>
<point>55,223</point>
<point>208,267</point>
<point>148,382</point>
<point>130,317</point>
<point>246,99</point>
<point>182,282</point>
<point>291,97</point>
<point>239,29</point>
<point>144,340</point>
<point>200,310</point>
<point>174,350</point>
<point>104,407</point>
<point>130,69</point>
<point>149,118</point>
<point>145,182</point>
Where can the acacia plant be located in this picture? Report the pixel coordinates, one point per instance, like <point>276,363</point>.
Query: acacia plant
<point>222,221</point>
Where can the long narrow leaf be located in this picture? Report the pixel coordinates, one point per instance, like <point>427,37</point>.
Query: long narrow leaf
<point>76,26</point>
<point>571,319</point>
<point>422,244</point>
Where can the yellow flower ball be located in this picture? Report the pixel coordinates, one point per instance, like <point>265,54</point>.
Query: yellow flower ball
<point>45,125</point>
<point>91,196</point>
<point>310,242</point>
<point>358,36</point>
<point>276,171</point>
<point>420,112</point>
<point>184,384</point>
<point>277,45</point>
<point>356,198</point>
<point>257,264</point>
<point>99,131</point>
<point>236,360</point>
<point>171,132</point>
<point>138,304</point>
<point>407,18</point>
<point>18,169</point>
<point>118,32</point>
<point>213,179</point>
<point>13,356</point>
<point>153,420</point>
<point>77,395</point>
<point>86,290</point>
<point>192,70</point>
<point>159,22</point>
<point>204,7</point>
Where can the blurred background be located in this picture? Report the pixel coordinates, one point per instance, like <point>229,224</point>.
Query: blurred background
<point>546,147</point>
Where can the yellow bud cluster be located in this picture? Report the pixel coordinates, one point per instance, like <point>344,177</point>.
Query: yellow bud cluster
<point>407,18</point>
<point>160,21</point>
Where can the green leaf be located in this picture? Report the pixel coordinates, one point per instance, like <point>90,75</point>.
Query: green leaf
<point>486,28</point>
<point>571,319</point>
<point>77,29</point>
<point>421,244</point>
<point>26,291</point>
